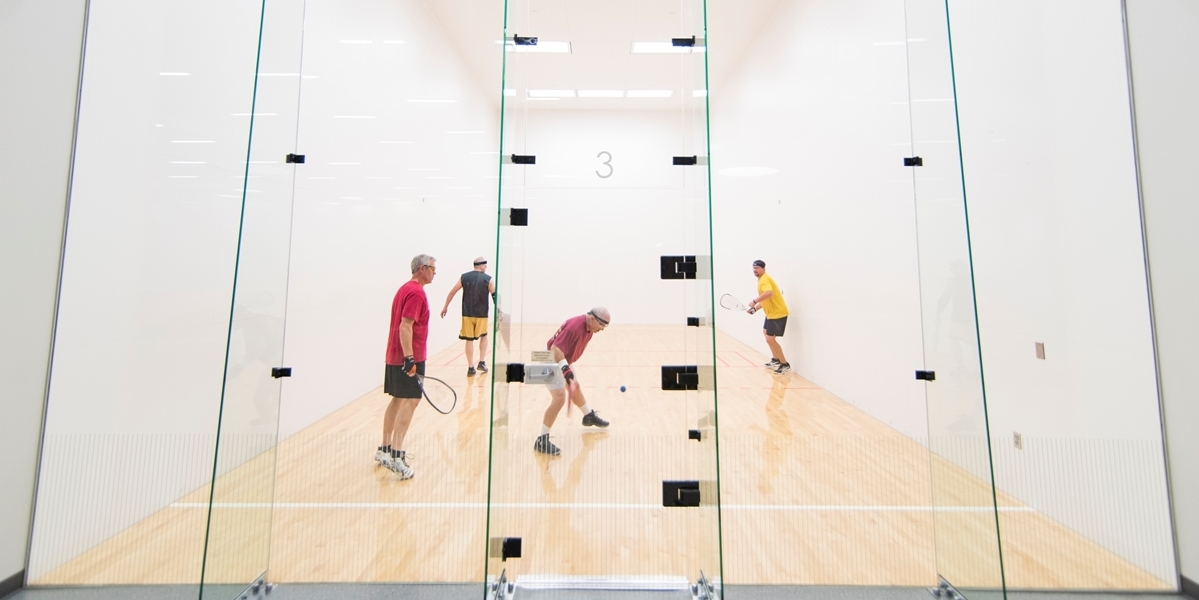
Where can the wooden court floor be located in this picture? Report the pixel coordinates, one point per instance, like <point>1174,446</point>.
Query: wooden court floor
<point>813,491</point>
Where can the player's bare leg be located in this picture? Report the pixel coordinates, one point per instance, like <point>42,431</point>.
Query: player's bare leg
<point>403,419</point>
<point>776,350</point>
<point>470,358</point>
<point>383,455</point>
<point>543,445</point>
<point>482,366</point>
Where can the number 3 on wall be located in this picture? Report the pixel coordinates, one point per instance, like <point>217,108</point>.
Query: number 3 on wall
<point>606,163</point>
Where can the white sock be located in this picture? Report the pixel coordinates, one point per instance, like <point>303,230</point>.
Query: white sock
<point>545,430</point>
<point>585,409</point>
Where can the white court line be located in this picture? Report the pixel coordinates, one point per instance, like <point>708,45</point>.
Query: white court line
<point>477,505</point>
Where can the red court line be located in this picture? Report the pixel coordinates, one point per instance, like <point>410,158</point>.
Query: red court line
<point>455,359</point>
<point>751,363</point>
<point>726,363</point>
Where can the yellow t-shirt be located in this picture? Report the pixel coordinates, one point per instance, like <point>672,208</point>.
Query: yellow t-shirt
<point>775,306</point>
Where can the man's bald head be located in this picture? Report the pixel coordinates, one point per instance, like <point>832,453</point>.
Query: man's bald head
<point>600,317</point>
<point>480,263</point>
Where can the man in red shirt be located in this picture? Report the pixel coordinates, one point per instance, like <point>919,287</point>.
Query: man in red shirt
<point>406,353</point>
<point>567,345</point>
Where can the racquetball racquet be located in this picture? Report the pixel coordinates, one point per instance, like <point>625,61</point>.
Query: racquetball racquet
<point>437,393</point>
<point>731,303</point>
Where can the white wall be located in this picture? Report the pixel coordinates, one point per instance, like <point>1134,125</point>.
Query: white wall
<point>1056,238</point>
<point>1164,46</point>
<point>357,226</point>
<point>822,98</point>
<point>40,44</point>
<point>148,268</point>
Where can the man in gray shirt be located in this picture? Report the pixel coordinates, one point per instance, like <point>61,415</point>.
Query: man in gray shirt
<point>476,287</point>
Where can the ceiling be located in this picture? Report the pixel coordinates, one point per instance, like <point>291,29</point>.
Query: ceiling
<point>601,34</point>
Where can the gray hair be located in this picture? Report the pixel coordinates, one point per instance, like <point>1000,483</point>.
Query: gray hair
<point>421,260</point>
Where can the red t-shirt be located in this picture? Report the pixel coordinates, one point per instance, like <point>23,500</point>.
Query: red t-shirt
<point>410,302</point>
<point>572,338</point>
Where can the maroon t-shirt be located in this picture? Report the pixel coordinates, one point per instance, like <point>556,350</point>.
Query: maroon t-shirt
<point>572,338</point>
<point>410,302</point>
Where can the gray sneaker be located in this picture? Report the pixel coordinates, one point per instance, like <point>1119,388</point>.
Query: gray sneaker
<point>543,445</point>
<point>482,367</point>
<point>783,368</point>
<point>399,466</point>
<point>593,420</point>
<point>773,364</point>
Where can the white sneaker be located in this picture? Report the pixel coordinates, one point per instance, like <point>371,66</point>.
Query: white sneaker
<point>382,457</point>
<point>400,467</point>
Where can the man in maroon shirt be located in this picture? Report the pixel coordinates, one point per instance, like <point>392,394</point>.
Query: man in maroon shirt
<point>567,345</point>
<point>406,353</point>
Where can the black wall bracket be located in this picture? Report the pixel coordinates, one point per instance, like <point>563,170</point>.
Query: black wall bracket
<point>680,377</point>
<point>680,493</point>
<point>524,40</point>
<point>684,42</point>
<point>278,372</point>
<point>297,159</point>
<point>686,161</point>
<point>510,548</point>
<point>926,375</point>
<point>693,434</point>
<point>914,161</point>
<point>518,217</point>
<point>514,373</point>
<point>693,321</point>
<point>678,267</point>
<point>523,159</point>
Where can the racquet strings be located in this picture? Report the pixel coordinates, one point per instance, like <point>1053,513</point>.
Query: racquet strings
<point>731,303</point>
<point>438,394</point>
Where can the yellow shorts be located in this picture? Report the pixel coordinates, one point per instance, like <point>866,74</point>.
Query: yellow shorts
<point>473,328</point>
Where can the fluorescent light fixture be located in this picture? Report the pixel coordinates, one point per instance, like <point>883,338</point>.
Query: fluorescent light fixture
<point>158,125</point>
<point>542,47</point>
<point>601,93</point>
<point>699,93</point>
<point>663,48</point>
<point>355,41</point>
<point>345,163</point>
<point>354,117</point>
<point>456,132</point>
<point>189,162</point>
<point>393,142</point>
<point>254,114</point>
<point>650,93</point>
<point>551,93</point>
<point>175,74</point>
<point>748,171</point>
<point>183,176</point>
<point>509,92</point>
<point>193,141</point>
<point>430,101</point>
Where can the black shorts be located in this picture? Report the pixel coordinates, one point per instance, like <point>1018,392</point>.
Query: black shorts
<point>775,327</point>
<point>401,385</point>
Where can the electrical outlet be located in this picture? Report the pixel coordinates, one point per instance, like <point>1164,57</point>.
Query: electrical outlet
<point>1018,440</point>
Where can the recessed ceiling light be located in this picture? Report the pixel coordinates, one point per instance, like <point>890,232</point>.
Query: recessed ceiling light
<point>175,74</point>
<point>551,93</point>
<point>543,47</point>
<point>663,48</point>
<point>650,93</point>
<point>601,93</point>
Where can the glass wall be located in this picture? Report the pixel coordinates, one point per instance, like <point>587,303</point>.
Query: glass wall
<point>604,225</point>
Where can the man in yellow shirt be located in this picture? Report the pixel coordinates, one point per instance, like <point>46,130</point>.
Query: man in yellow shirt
<point>770,299</point>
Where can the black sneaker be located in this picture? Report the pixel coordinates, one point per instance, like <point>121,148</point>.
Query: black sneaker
<point>783,368</point>
<point>593,420</point>
<point>773,364</point>
<point>470,371</point>
<point>543,445</point>
<point>482,367</point>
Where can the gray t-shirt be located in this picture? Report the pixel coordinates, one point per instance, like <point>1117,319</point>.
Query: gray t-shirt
<point>475,290</point>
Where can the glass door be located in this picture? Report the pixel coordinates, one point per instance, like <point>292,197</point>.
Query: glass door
<point>608,481</point>
<point>964,501</point>
<point>238,541</point>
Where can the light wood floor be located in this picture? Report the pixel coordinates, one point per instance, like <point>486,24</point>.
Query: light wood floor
<point>813,490</point>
